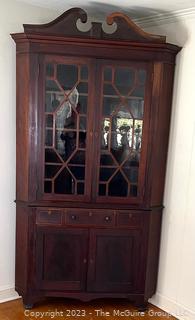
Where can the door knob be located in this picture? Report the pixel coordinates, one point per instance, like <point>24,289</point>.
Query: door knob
<point>107,219</point>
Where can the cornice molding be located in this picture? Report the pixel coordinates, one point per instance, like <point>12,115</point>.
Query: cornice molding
<point>168,17</point>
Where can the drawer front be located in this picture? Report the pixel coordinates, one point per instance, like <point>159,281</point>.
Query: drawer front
<point>129,219</point>
<point>51,217</point>
<point>90,217</point>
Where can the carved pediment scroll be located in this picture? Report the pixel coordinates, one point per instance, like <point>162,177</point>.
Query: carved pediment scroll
<point>66,25</point>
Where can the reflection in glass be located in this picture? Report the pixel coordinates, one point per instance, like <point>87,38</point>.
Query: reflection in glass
<point>131,174</point>
<point>124,79</point>
<point>136,106</point>
<point>109,90</point>
<point>82,104</point>
<point>65,143</point>
<point>48,137</point>
<point>66,88</point>
<point>84,73</point>
<point>109,105</point>
<point>137,134</point>
<point>122,126</point>
<point>107,74</point>
<point>66,118</point>
<point>51,85</point>
<point>83,123</point>
<point>142,76</point>
<point>67,76</point>
<point>49,120</point>
<point>52,101</point>
<point>82,87</point>
<point>138,92</point>
<point>50,70</point>
<point>105,133</point>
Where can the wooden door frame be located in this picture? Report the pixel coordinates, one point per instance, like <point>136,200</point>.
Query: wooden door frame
<point>43,59</point>
<point>145,136</point>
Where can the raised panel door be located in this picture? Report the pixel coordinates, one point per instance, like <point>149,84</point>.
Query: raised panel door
<point>61,259</point>
<point>114,259</point>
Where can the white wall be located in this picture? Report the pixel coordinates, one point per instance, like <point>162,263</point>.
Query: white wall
<point>176,284</point>
<point>12,15</point>
<point>176,281</point>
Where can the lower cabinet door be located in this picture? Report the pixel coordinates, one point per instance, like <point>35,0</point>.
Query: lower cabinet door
<point>61,260</point>
<point>114,260</point>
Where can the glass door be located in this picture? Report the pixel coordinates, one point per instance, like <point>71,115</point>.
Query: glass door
<point>66,138</point>
<point>123,125</point>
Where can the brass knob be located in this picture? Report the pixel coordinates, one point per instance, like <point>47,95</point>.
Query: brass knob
<point>107,219</point>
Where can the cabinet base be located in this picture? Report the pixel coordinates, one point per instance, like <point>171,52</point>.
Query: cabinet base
<point>137,300</point>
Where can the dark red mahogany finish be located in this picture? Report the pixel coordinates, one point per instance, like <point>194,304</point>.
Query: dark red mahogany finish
<point>87,243</point>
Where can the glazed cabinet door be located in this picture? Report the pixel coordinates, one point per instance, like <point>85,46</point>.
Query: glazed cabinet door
<point>123,125</point>
<point>61,259</point>
<point>114,258</point>
<point>65,98</point>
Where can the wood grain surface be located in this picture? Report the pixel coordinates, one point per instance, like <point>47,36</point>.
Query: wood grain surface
<point>14,310</point>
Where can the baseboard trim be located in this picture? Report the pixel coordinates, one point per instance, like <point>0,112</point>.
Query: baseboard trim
<point>173,307</point>
<point>8,294</point>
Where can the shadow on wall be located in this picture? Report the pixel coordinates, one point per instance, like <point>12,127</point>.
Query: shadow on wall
<point>98,11</point>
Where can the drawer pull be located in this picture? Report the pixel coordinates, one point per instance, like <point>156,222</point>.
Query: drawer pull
<point>49,212</point>
<point>73,217</point>
<point>107,219</point>
<point>130,215</point>
<point>84,261</point>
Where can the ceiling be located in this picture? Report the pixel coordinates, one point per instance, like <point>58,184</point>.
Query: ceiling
<point>100,8</point>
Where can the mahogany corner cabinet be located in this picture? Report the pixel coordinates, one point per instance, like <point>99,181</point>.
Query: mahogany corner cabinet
<point>93,116</point>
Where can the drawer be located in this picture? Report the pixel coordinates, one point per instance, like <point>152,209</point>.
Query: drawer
<point>90,217</point>
<point>53,217</point>
<point>129,219</point>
